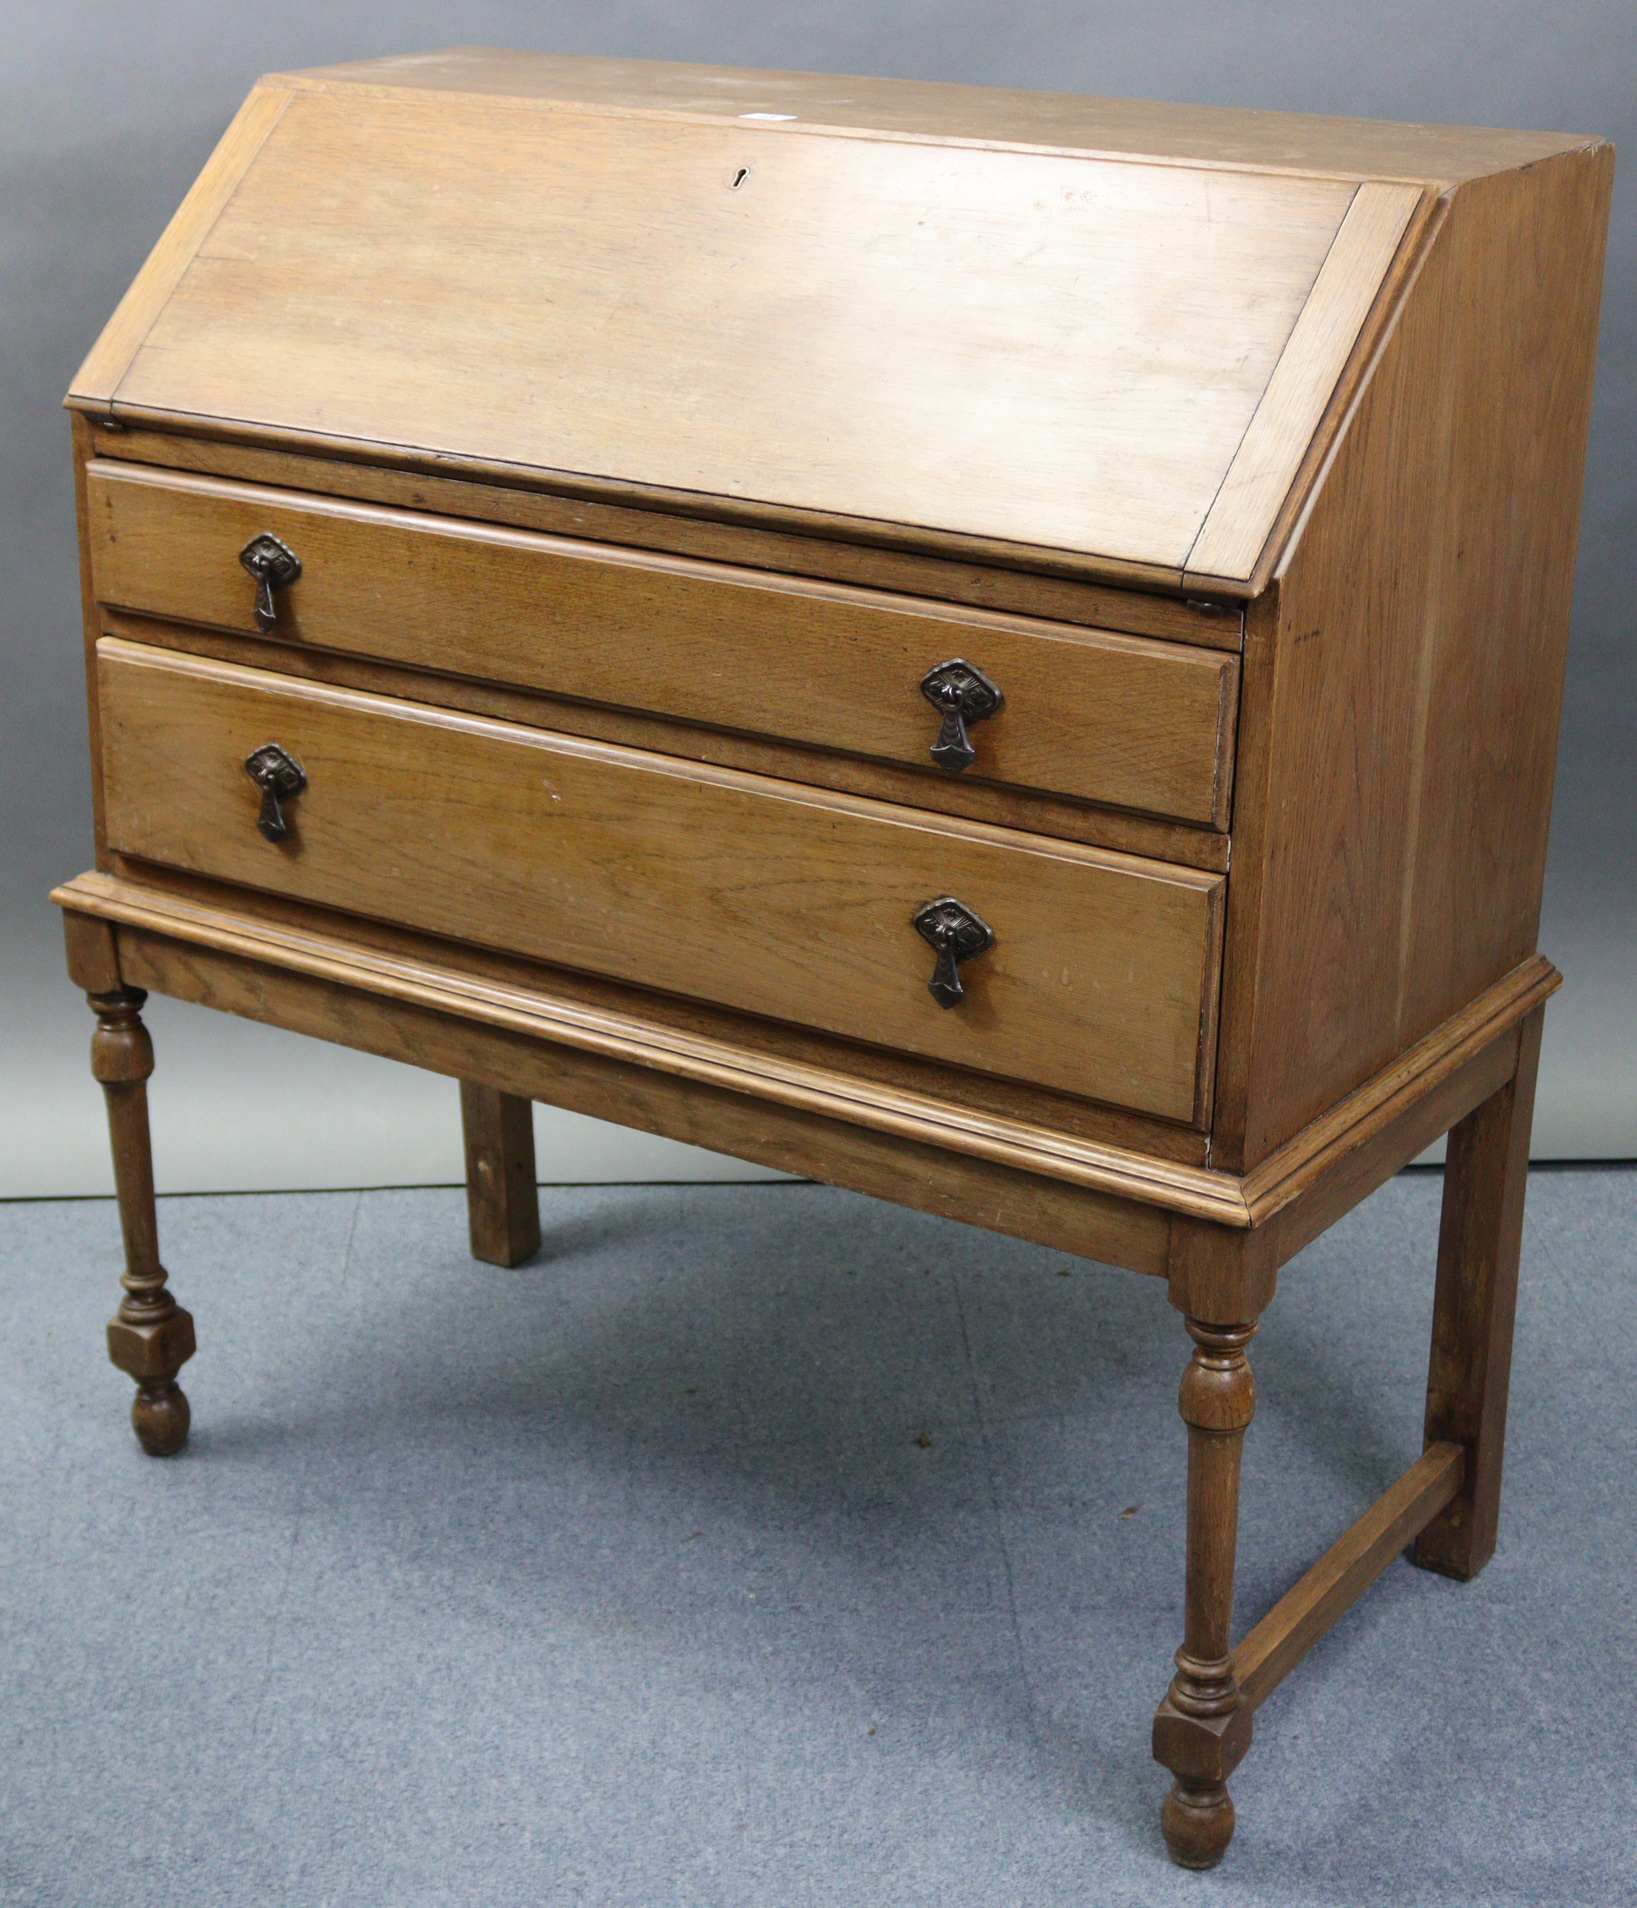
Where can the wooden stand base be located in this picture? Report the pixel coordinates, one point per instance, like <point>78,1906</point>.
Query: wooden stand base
<point>1220,1241</point>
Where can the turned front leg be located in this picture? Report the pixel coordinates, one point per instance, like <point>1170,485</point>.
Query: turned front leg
<point>1203,1727</point>
<point>150,1337</point>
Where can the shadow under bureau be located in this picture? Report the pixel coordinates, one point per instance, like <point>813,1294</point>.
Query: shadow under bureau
<point>999,650</point>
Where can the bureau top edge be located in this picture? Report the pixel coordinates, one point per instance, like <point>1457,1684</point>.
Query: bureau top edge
<point>1164,131</point>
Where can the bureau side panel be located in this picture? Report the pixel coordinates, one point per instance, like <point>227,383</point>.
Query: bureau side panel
<point>83,433</point>
<point>98,378</point>
<point>1403,677</point>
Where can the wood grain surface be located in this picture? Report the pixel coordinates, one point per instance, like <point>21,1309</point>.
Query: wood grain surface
<point>907,783</point>
<point>502,1197</point>
<point>1197,1723</point>
<point>98,378</point>
<point>1271,1650</point>
<point>1110,718</point>
<point>1403,678</point>
<point>919,109</point>
<point>788,1137</point>
<point>771,521</point>
<point>83,438</point>
<point>150,1337</point>
<point>756,1059</point>
<point>1475,1303</point>
<point>764,895</point>
<point>1277,437</point>
<point>537,500</point>
<point>1021,346</point>
<point>552,1008</point>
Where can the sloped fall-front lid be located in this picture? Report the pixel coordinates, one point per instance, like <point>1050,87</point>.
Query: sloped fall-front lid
<point>1119,359</point>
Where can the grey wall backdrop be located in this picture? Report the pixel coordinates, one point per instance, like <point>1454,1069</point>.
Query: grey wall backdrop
<point>111,108</point>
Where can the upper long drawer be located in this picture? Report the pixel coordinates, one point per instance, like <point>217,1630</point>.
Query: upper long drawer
<point>1108,718</point>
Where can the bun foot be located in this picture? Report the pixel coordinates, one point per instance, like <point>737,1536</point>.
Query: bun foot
<point>1198,1823</point>
<point>160,1417</point>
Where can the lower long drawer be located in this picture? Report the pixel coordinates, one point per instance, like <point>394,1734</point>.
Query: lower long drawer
<point>762,895</point>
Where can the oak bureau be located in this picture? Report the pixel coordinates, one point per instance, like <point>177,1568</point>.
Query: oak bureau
<point>999,650</point>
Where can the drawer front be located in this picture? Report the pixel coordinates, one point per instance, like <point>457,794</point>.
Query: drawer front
<point>758,894</point>
<point>1108,718</point>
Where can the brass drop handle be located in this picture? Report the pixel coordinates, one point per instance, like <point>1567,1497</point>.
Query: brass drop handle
<point>955,934</point>
<point>962,694</point>
<point>275,566</point>
<point>281,778</point>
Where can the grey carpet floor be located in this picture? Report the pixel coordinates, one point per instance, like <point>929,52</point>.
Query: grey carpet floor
<point>766,1545</point>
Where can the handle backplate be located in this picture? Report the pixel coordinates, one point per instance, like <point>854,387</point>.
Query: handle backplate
<point>962,694</point>
<point>955,934</point>
<point>281,778</point>
<point>275,566</point>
